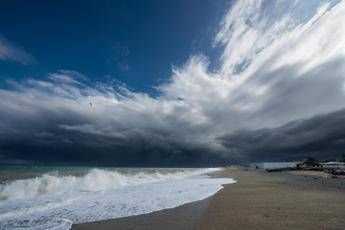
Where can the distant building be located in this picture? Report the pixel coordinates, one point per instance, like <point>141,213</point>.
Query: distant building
<point>276,166</point>
<point>333,165</point>
<point>309,163</point>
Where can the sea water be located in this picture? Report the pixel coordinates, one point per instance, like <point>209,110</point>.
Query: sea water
<point>54,198</point>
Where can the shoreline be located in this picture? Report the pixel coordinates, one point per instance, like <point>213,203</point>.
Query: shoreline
<point>259,200</point>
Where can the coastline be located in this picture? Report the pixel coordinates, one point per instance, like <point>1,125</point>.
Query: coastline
<point>259,200</point>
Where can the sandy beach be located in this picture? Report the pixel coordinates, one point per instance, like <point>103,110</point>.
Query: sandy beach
<point>259,200</point>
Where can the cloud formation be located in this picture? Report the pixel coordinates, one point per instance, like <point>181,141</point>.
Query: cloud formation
<point>322,136</point>
<point>11,52</point>
<point>278,65</point>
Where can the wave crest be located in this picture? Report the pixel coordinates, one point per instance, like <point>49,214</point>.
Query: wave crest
<point>94,180</point>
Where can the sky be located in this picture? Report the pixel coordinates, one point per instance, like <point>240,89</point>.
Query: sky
<point>135,42</point>
<point>173,83</point>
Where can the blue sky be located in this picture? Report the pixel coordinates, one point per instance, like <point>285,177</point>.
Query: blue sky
<point>202,79</point>
<point>135,42</point>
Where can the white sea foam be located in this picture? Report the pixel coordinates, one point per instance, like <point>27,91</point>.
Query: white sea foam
<point>95,180</point>
<point>54,202</point>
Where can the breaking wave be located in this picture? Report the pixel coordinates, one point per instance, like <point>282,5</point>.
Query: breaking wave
<point>53,201</point>
<point>94,180</point>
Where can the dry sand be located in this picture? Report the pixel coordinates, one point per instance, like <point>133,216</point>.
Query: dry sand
<point>259,200</point>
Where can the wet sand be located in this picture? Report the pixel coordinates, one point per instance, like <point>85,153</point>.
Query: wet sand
<point>259,200</point>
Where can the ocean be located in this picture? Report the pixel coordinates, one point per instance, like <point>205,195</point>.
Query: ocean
<point>55,197</point>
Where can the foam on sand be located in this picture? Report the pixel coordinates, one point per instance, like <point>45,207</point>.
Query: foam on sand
<point>55,202</point>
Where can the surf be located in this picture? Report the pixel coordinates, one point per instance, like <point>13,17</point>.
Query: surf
<point>54,201</point>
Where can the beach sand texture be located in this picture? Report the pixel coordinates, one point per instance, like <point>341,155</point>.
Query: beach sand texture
<point>259,200</point>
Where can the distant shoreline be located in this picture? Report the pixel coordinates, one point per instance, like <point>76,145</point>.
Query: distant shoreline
<point>259,200</point>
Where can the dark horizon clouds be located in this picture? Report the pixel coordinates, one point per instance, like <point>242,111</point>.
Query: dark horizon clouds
<point>321,137</point>
<point>278,94</point>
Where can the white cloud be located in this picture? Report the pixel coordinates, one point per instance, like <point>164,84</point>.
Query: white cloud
<point>11,52</point>
<point>275,68</point>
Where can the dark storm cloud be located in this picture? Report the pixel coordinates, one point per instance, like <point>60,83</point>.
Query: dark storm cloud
<point>53,121</point>
<point>143,149</point>
<point>321,137</point>
<point>293,70</point>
